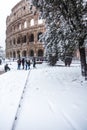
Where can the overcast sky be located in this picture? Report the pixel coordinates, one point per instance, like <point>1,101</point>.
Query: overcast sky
<point>5,10</point>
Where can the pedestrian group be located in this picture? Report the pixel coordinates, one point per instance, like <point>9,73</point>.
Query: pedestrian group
<point>25,63</point>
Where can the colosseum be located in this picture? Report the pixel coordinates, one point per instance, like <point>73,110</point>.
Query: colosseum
<point>23,29</point>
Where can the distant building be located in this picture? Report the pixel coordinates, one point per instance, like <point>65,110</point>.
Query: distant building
<point>23,30</point>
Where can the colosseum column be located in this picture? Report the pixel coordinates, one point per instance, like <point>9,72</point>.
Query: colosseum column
<point>22,25</point>
<point>28,22</point>
<point>12,54</point>
<point>36,50</point>
<point>35,37</point>
<point>27,38</point>
<point>7,54</point>
<point>16,54</point>
<point>21,40</point>
<point>27,52</point>
<point>21,53</point>
<point>36,20</point>
<point>16,41</point>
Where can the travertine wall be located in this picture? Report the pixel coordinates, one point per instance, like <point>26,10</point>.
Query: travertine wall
<point>23,28</point>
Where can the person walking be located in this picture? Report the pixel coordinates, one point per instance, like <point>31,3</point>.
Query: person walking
<point>23,62</point>
<point>34,62</point>
<point>19,63</point>
<point>28,64</point>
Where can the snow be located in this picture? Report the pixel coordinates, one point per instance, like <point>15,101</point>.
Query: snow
<point>53,98</point>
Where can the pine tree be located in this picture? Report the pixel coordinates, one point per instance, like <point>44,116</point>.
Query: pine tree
<point>70,19</point>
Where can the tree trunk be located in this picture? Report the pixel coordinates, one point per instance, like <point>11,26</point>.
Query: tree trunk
<point>83,61</point>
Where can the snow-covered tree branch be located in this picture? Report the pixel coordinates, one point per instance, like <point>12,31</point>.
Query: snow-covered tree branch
<point>69,20</point>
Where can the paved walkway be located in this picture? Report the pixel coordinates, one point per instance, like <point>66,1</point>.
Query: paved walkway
<point>52,101</point>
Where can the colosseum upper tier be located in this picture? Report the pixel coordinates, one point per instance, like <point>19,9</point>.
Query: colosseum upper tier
<point>23,30</point>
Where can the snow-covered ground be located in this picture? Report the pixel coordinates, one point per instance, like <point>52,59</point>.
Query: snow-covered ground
<point>53,98</point>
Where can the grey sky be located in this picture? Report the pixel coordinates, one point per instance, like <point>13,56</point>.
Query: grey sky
<point>5,10</point>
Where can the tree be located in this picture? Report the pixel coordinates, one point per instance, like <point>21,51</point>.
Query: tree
<point>51,44</point>
<point>70,18</point>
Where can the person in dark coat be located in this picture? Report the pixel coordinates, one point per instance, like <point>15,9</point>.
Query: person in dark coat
<point>0,61</point>
<point>19,63</point>
<point>34,62</point>
<point>28,64</point>
<point>23,62</point>
<point>6,68</point>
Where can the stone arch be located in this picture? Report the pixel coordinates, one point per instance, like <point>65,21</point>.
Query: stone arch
<point>31,38</point>
<point>32,22</point>
<point>40,53</point>
<point>19,26</point>
<point>24,39</point>
<point>14,54</point>
<point>18,54</point>
<point>24,53</point>
<point>25,24</point>
<point>14,41</point>
<point>10,42</point>
<point>10,54</point>
<point>31,53</point>
<point>18,40</point>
